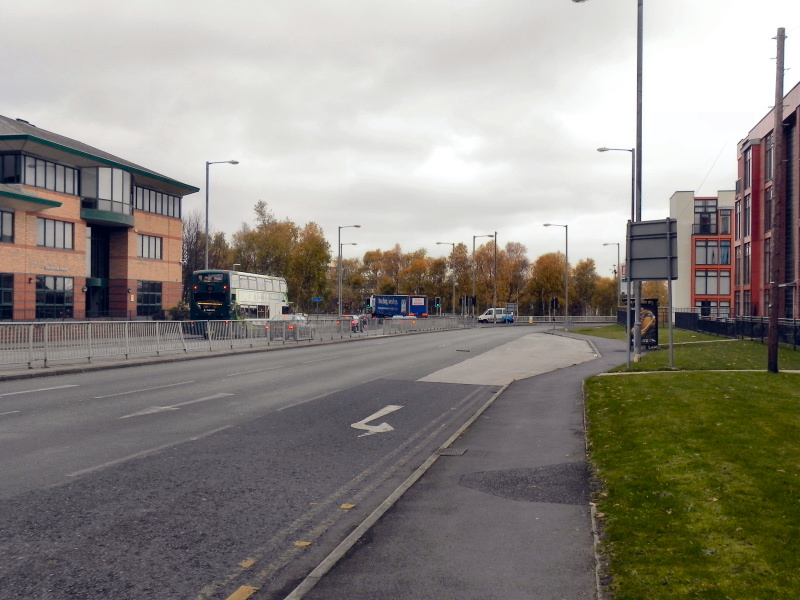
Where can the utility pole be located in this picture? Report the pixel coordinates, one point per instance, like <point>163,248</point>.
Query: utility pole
<point>777,270</point>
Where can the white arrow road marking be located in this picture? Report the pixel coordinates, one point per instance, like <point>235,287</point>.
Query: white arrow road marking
<point>158,409</point>
<point>382,428</point>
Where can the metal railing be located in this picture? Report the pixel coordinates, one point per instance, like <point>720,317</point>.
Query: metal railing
<point>41,344</point>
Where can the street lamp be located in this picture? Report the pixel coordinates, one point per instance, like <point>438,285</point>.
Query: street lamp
<point>566,276</point>
<point>208,164</point>
<point>489,235</point>
<point>637,159</point>
<point>453,276</point>
<point>619,298</point>
<point>339,269</point>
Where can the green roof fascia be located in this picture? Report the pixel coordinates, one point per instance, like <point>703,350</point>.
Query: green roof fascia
<point>128,167</point>
<point>31,199</point>
<point>104,217</point>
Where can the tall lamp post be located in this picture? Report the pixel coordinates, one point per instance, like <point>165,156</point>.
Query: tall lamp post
<point>208,164</point>
<point>453,276</point>
<point>339,266</point>
<point>617,272</point>
<point>474,237</point>
<point>566,271</point>
<point>637,160</point>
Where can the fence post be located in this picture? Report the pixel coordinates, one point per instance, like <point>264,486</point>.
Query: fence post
<point>30,345</point>
<point>158,338</point>
<point>89,340</point>
<point>45,339</point>
<point>127,339</point>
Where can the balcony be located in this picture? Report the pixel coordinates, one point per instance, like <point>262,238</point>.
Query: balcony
<point>704,229</point>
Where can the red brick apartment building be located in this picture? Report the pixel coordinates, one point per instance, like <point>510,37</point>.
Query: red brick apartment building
<point>84,233</point>
<point>754,244</point>
<point>705,236</point>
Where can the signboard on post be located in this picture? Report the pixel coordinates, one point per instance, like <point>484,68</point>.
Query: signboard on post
<point>653,250</point>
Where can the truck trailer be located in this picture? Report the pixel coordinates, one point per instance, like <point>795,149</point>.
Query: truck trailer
<point>388,306</point>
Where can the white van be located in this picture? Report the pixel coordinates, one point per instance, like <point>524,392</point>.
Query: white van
<point>499,315</point>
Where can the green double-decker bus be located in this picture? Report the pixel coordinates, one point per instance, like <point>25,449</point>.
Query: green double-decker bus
<point>221,295</point>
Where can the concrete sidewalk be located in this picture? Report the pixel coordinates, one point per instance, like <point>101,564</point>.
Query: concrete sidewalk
<point>509,518</point>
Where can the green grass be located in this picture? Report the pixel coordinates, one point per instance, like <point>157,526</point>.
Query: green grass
<point>700,476</point>
<point>700,351</point>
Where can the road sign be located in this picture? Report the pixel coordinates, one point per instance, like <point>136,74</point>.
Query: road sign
<point>316,299</point>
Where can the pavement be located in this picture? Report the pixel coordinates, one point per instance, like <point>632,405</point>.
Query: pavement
<point>502,511</point>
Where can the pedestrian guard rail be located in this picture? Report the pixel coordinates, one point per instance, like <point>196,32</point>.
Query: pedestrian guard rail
<point>41,344</point>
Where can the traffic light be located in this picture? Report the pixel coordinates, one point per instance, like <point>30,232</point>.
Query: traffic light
<point>438,301</point>
<point>367,301</point>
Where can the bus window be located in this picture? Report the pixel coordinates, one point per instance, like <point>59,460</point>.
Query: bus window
<point>210,277</point>
<point>234,280</point>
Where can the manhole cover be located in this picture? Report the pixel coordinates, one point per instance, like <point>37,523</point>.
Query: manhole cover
<point>451,451</point>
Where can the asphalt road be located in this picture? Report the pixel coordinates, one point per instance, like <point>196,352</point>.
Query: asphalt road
<point>189,479</point>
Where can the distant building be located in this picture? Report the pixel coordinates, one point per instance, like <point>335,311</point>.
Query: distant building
<point>704,259</point>
<point>754,245</point>
<point>84,233</point>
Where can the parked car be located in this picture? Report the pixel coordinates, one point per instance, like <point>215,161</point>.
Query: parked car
<point>499,315</point>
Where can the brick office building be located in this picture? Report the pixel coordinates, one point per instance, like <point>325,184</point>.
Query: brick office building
<point>753,237</point>
<point>84,233</point>
<point>705,235</point>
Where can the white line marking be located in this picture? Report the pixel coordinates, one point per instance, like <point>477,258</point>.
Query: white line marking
<point>159,387</point>
<point>60,387</point>
<point>11,412</point>
<point>118,461</point>
<point>255,371</point>
<point>373,429</point>
<point>158,409</point>
<point>311,362</point>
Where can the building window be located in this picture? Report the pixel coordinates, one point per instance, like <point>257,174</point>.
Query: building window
<point>748,168</point>
<point>6,227</point>
<point>769,158</point>
<point>705,283</point>
<point>17,168</point>
<point>738,224</point>
<point>54,297</point>
<point>738,267</point>
<point>107,189</point>
<point>54,234</point>
<point>746,305</point>
<point>737,299</point>
<point>724,283</point>
<point>707,252</point>
<point>705,216</point>
<point>747,264</point>
<point>747,212</point>
<point>768,209</point>
<point>157,202</point>
<point>149,247</point>
<point>148,298</point>
<point>6,296</point>
<point>767,261</point>
<point>725,252</point>
<point>725,222</point>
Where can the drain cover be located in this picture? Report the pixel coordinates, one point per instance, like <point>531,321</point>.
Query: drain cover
<point>451,451</point>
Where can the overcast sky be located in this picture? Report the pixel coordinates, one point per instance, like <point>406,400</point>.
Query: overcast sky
<point>423,121</point>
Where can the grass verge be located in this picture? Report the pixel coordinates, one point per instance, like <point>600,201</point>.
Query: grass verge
<point>700,475</point>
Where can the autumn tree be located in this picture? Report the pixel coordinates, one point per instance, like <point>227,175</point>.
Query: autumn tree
<point>547,282</point>
<point>583,287</point>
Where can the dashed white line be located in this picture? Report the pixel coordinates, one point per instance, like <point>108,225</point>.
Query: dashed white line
<point>158,387</point>
<point>60,387</point>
